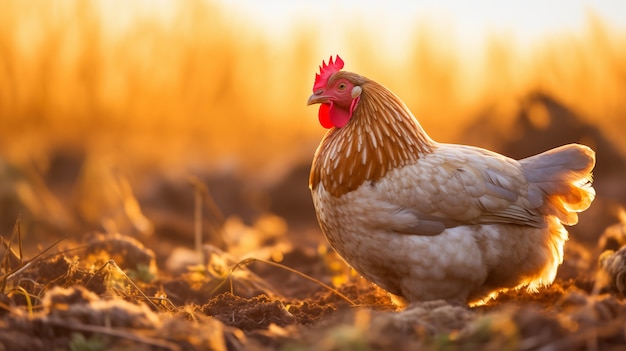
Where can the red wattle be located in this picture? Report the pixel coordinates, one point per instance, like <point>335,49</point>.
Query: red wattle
<point>324,116</point>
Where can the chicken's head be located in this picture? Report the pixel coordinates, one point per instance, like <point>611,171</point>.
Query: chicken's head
<point>337,96</point>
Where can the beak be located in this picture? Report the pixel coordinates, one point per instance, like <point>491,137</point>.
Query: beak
<point>317,99</point>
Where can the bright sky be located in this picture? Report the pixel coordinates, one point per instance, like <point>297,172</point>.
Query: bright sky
<point>466,21</point>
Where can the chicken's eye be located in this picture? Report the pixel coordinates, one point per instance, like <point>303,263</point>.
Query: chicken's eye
<point>341,86</point>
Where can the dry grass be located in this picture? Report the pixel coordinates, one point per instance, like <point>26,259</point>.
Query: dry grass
<point>213,94</point>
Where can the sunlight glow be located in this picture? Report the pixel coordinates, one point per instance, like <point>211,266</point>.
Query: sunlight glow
<point>220,77</point>
<point>468,21</point>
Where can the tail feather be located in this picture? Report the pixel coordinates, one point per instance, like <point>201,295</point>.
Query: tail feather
<point>560,181</point>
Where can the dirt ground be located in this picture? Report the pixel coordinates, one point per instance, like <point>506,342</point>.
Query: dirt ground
<point>262,277</point>
<point>110,294</point>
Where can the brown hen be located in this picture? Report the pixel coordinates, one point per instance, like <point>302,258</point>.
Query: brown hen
<point>428,220</point>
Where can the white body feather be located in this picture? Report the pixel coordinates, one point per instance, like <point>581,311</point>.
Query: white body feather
<point>442,228</point>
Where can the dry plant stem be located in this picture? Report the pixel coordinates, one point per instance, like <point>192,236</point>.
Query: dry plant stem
<point>10,256</point>
<point>11,275</point>
<point>165,302</point>
<point>202,199</point>
<point>199,188</point>
<point>119,270</point>
<point>130,335</point>
<point>29,303</point>
<point>19,238</point>
<point>217,220</point>
<point>247,261</point>
<point>5,307</point>
<point>198,224</point>
<point>112,262</point>
<point>215,211</point>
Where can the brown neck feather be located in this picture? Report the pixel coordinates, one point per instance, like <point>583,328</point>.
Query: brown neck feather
<point>382,135</point>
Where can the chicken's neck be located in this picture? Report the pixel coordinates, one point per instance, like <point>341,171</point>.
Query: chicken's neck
<point>381,135</point>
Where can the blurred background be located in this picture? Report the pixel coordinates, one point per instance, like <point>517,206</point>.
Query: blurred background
<point>109,108</point>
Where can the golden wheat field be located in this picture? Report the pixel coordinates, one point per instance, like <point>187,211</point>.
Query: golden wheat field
<point>154,164</point>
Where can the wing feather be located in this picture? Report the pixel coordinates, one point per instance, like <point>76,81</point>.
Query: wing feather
<point>461,185</point>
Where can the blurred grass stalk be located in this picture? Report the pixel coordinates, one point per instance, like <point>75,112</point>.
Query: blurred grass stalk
<point>185,85</point>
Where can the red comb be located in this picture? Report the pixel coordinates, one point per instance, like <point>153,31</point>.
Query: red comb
<point>327,70</point>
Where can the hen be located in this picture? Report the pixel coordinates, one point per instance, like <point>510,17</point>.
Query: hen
<point>428,220</point>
